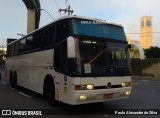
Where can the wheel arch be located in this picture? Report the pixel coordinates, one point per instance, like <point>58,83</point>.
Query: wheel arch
<point>10,75</point>
<point>15,73</point>
<point>48,78</point>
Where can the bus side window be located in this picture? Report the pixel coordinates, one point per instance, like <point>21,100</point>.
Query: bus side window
<point>60,56</point>
<point>12,49</point>
<point>22,46</point>
<point>48,37</point>
<point>29,41</point>
<point>9,51</point>
<point>16,49</point>
<point>37,40</point>
<point>62,31</point>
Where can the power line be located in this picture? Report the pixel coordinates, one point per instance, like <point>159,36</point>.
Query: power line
<point>143,33</point>
<point>54,13</point>
<point>57,6</point>
<point>49,17</point>
<point>67,3</point>
<point>47,13</point>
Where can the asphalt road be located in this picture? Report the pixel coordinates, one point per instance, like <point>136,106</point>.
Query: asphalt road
<point>145,96</point>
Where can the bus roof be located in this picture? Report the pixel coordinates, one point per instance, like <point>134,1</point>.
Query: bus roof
<point>80,17</point>
<point>86,18</point>
<point>71,17</point>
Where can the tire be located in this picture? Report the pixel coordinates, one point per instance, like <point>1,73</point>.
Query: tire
<point>50,93</point>
<point>15,81</point>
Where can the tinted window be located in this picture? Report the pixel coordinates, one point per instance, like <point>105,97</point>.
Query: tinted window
<point>48,37</point>
<point>29,44</point>
<point>60,58</point>
<point>62,30</point>
<point>9,50</point>
<point>101,30</point>
<point>16,49</point>
<point>22,46</point>
<point>37,40</point>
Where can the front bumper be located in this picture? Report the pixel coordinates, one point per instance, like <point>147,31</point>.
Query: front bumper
<point>93,96</point>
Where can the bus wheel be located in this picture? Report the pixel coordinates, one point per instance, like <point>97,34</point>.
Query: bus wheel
<point>11,79</point>
<point>50,93</point>
<point>15,81</point>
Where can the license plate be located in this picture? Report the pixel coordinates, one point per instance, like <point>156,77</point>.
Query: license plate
<point>108,95</point>
<point>117,94</point>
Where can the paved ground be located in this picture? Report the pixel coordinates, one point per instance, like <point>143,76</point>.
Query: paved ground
<point>145,96</point>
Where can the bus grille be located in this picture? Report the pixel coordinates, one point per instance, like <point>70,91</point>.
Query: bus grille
<point>105,87</point>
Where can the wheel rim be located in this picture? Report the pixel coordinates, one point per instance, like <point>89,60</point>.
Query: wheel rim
<point>50,90</point>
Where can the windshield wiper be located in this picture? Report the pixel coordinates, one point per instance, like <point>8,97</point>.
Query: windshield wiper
<point>94,58</point>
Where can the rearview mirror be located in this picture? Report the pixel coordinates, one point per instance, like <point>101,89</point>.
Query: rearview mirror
<point>71,47</point>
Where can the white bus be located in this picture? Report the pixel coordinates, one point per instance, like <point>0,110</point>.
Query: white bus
<point>75,60</point>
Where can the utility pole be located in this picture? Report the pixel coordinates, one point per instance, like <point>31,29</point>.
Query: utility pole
<point>67,10</point>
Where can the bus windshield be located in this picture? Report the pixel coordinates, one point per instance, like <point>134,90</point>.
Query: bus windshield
<point>100,30</point>
<point>102,58</point>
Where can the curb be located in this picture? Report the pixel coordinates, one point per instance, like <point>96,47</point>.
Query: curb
<point>145,77</point>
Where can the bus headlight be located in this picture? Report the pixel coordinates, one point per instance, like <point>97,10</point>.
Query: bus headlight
<point>126,84</point>
<point>90,87</point>
<point>84,87</point>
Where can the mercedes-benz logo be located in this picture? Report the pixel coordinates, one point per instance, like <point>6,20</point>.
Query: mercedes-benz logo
<point>109,85</point>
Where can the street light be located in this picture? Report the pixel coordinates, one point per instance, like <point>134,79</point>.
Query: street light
<point>47,13</point>
<point>22,35</point>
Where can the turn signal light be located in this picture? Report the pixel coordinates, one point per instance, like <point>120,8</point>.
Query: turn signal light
<point>126,84</point>
<point>77,87</point>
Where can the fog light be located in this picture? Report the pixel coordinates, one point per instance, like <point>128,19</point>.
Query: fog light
<point>128,92</point>
<point>83,97</point>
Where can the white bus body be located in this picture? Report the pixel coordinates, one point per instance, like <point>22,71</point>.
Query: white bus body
<point>32,69</point>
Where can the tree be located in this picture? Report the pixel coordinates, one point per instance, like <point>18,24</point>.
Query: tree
<point>152,52</point>
<point>2,57</point>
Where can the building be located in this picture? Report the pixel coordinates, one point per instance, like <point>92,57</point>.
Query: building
<point>146,28</point>
<point>3,50</point>
<point>128,40</point>
<point>136,51</point>
<point>135,42</point>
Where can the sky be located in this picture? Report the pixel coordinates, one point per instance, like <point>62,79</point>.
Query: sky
<point>13,15</point>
